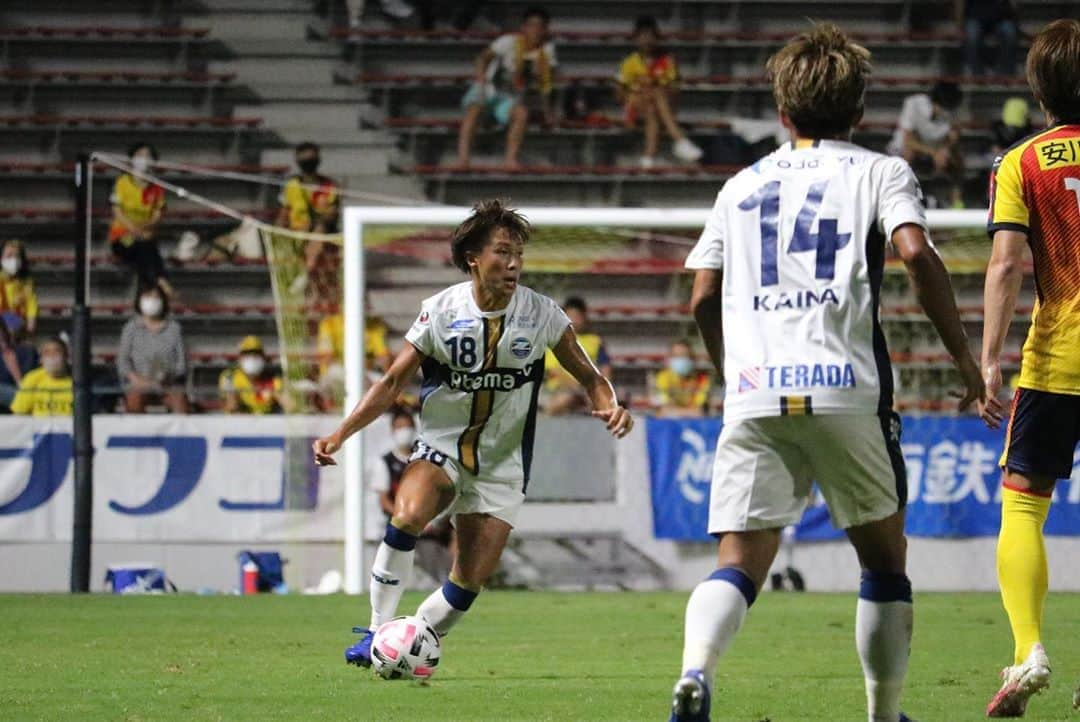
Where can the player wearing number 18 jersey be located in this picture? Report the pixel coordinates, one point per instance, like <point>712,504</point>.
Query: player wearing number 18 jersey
<point>481,347</point>
<point>787,275</point>
<point>1035,203</point>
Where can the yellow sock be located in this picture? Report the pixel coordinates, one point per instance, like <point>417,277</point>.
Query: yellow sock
<point>1021,565</point>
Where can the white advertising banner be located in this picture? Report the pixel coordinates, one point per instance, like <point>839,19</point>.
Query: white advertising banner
<point>175,479</point>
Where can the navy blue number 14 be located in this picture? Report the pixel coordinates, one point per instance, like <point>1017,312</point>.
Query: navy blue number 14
<point>826,241</point>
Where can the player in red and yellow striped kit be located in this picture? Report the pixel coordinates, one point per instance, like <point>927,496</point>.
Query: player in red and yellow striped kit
<point>1035,202</point>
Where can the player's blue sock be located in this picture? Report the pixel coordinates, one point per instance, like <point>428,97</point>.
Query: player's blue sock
<point>390,573</point>
<point>446,606</point>
<point>714,615</point>
<point>883,623</point>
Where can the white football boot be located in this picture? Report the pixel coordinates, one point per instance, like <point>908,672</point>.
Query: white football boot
<point>1018,683</point>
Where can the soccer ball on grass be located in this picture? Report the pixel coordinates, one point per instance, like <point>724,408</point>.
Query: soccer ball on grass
<point>405,647</point>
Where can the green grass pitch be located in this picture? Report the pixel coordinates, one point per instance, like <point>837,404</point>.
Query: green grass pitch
<point>518,656</point>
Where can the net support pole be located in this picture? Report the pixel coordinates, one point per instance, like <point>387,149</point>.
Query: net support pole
<point>82,422</point>
<point>353,471</point>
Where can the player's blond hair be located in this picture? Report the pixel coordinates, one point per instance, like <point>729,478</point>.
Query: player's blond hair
<point>1053,69</point>
<point>819,80</point>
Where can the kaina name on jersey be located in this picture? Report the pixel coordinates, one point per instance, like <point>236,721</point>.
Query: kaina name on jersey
<point>490,380</point>
<point>798,376</point>
<point>794,300</point>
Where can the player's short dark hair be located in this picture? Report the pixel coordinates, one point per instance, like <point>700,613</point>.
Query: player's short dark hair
<point>1053,69</point>
<point>136,147</point>
<point>646,22</point>
<point>476,230</point>
<point>306,146</point>
<point>535,11</point>
<point>144,288</point>
<point>946,94</point>
<point>819,81</point>
<point>576,303</point>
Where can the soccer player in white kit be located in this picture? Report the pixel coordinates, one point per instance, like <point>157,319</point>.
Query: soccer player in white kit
<point>481,346</point>
<point>788,274</point>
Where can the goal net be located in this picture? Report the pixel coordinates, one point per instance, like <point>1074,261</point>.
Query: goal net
<point>628,265</point>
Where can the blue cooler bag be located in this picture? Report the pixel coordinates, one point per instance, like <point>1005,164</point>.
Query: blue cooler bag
<point>271,576</point>
<point>135,579</point>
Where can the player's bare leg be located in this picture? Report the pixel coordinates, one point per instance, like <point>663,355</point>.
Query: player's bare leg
<point>480,542</point>
<point>1024,580</point>
<point>425,491</point>
<point>884,616</point>
<point>466,133</point>
<point>715,613</point>
<point>515,134</point>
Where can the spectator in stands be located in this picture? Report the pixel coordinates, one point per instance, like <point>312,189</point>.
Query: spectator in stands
<point>927,138</point>
<point>151,363</point>
<point>646,85</point>
<point>17,295</point>
<point>564,394</point>
<point>679,389</point>
<point>46,391</point>
<point>396,9</point>
<point>979,18</point>
<point>17,358</point>
<point>513,75</point>
<point>311,203</point>
<point>1014,125</point>
<point>138,206</point>
<point>330,347</point>
<point>252,387</point>
<point>433,549</point>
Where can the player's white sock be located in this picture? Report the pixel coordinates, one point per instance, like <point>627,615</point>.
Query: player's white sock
<point>883,623</point>
<point>446,606</point>
<point>390,573</point>
<point>714,615</point>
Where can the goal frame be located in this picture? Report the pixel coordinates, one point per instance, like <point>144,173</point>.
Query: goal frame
<point>357,217</point>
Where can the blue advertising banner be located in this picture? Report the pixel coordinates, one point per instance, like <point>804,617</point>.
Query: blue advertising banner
<point>953,481</point>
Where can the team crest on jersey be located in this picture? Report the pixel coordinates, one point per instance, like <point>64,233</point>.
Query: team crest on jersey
<point>521,347</point>
<point>462,324</point>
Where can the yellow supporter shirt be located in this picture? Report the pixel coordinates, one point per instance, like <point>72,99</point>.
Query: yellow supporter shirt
<point>636,67</point>
<point>558,377</point>
<point>690,392</point>
<point>331,339</point>
<point>256,396</point>
<point>137,204</point>
<point>18,295</point>
<point>41,395</point>
<point>1035,189</point>
<point>305,203</point>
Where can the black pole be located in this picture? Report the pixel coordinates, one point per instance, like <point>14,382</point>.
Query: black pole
<point>82,423</point>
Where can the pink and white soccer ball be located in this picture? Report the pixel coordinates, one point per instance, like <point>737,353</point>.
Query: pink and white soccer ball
<point>405,647</point>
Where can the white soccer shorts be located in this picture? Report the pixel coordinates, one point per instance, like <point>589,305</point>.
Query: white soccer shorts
<point>474,494</point>
<point>765,468</point>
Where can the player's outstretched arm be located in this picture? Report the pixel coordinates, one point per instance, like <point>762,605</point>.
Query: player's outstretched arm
<point>600,391</point>
<point>706,303</point>
<point>376,402</point>
<point>1004,276</point>
<point>933,289</point>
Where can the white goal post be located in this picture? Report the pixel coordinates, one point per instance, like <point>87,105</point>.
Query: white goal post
<point>357,217</point>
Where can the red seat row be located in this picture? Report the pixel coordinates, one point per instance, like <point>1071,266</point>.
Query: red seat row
<point>68,213</point>
<point>54,32</point>
<point>127,121</point>
<point>30,168</point>
<point>103,77</point>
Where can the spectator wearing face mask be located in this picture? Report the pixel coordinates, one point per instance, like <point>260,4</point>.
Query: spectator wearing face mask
<point>152,363</point>
<point>17,295</point>
<point>252,387</point>
<point>928,138</point>
<point>680,390</point>
<point>310,202</point>
<point>138,206</point>
<point>46,391</point>
<point>16,360</point>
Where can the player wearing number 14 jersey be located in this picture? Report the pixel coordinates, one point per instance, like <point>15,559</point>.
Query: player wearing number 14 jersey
<point>481,347</point>
<point>788,273</point>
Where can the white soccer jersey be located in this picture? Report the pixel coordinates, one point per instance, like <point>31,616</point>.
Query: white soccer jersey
<point>482,376</point>
<point>800,237</point>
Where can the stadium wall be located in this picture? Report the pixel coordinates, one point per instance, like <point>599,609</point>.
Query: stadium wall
<point>188,493</point>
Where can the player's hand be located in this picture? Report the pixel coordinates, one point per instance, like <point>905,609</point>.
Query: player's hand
<point>618,420</point>
<point>325,448</point>
<point>992,411</point>
<point>974,389</point>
